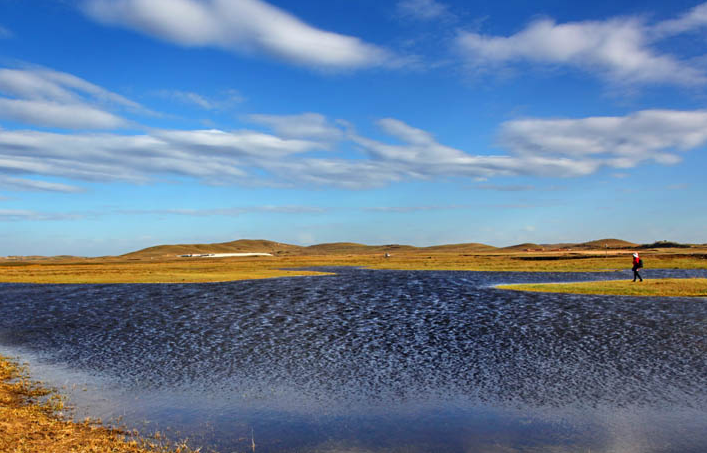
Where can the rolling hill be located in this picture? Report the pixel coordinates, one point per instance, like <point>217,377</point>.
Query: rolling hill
<point>607,243</point>
<point>239,246</point>
<point>352,248</point>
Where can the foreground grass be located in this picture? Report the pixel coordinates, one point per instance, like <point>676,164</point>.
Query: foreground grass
<point>665,287</point>
<point>196,270</point>
<point>30,422</point>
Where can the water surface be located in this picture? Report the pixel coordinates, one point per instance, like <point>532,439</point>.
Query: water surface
<point>375,361</point>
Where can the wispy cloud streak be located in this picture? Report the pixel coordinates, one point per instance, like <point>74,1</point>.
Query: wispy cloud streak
<point>227,212</point>
<point>37,185</point>
<point>618,49</point>
<point>535,147</point>
<point>17,215</point>
<point>242,26</point>
<point>423,10</point>
<point>47,98</point>
<point>618,142</point>
<point>224,100</point>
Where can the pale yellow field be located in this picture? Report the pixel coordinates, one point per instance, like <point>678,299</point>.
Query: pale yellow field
<point>665,287</point>
<point>169,269</point>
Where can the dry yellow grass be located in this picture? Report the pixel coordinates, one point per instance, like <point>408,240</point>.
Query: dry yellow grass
<point>30,423</point>
<point>169,269</point>
<point>665,287</point>
<point>163,271</point>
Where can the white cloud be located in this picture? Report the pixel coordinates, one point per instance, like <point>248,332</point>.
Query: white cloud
<point>47,84</point>
<point>405,209</point>
<point>37,185</point>
<point>538,147</point>
<point>421,156</point>
<point>241,26</point>
<point>227,99</point>
<point>694,19</point>
<point>342,173</point>
<point>21,214</point>
<point>423,9</point>
<point>305,125</point>
<point>5,33</point>
<point>228,212</point>
<point>618,142</point>
<point>48,98</point>
<point>52,114</point>
<point>248,145</point>
<point>192,98</point>
<point>209,155</point>
<point>505,188</point>
<point>617,49</point>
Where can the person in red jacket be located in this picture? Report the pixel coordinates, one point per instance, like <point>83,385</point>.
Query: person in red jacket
<point>637,264</point>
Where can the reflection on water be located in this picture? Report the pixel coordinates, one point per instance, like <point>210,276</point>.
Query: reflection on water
<point>376,361</point>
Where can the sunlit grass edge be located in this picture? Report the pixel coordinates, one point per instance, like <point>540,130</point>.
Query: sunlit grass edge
<point>202,270</point>
<point>33,420</point>
<point>663,287</point>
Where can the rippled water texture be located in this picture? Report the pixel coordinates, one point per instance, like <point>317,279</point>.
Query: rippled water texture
<point>376,361</point>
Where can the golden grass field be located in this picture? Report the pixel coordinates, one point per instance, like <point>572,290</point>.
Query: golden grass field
<point>166,267</point>
<point>664,287</point>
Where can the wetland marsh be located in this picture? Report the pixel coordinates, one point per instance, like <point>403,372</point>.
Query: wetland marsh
<point>375,361</point>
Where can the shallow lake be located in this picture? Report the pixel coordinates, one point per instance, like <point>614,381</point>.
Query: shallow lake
<point>374,361</point>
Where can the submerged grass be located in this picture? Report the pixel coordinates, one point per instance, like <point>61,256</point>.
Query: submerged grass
<point>665,287</point>
<point>31,421</point>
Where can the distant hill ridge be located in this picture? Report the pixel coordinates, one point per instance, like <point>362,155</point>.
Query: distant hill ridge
<point>239,246</point>
<point>608,243</point>
<point>338,248</point>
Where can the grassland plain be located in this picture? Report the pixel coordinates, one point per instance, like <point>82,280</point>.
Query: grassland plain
<point>165,267</point>
<point>32,420</point>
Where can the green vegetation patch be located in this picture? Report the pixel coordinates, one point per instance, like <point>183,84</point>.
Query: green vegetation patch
<point>664,287</point>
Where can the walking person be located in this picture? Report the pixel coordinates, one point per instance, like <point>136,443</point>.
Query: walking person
<point>637,264</point>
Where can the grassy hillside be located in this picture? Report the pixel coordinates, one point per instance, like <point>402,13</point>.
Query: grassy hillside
<point>352,248</point>
<point>239,246</point>
<point>471,247</point>
<point>524,246</point>
<point>278,248</point>
<point>607,243</point>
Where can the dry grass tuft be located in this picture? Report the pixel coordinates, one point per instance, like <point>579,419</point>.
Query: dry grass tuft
<point>30,422</point>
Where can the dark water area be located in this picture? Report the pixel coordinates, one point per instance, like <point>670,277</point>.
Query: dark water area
<point>375,361</point>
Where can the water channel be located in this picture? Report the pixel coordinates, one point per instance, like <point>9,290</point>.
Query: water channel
<point>374,361</point>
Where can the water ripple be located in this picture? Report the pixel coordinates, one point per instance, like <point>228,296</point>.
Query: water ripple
<point>365,341</point>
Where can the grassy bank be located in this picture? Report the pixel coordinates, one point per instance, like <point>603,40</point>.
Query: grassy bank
<point>31,422</point>
<point>666,287</point>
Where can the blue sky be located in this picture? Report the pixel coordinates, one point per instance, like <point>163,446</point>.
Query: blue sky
<point>131,123</point>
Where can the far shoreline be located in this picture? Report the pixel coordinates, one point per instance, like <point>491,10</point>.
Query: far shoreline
<point>175,269</point>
